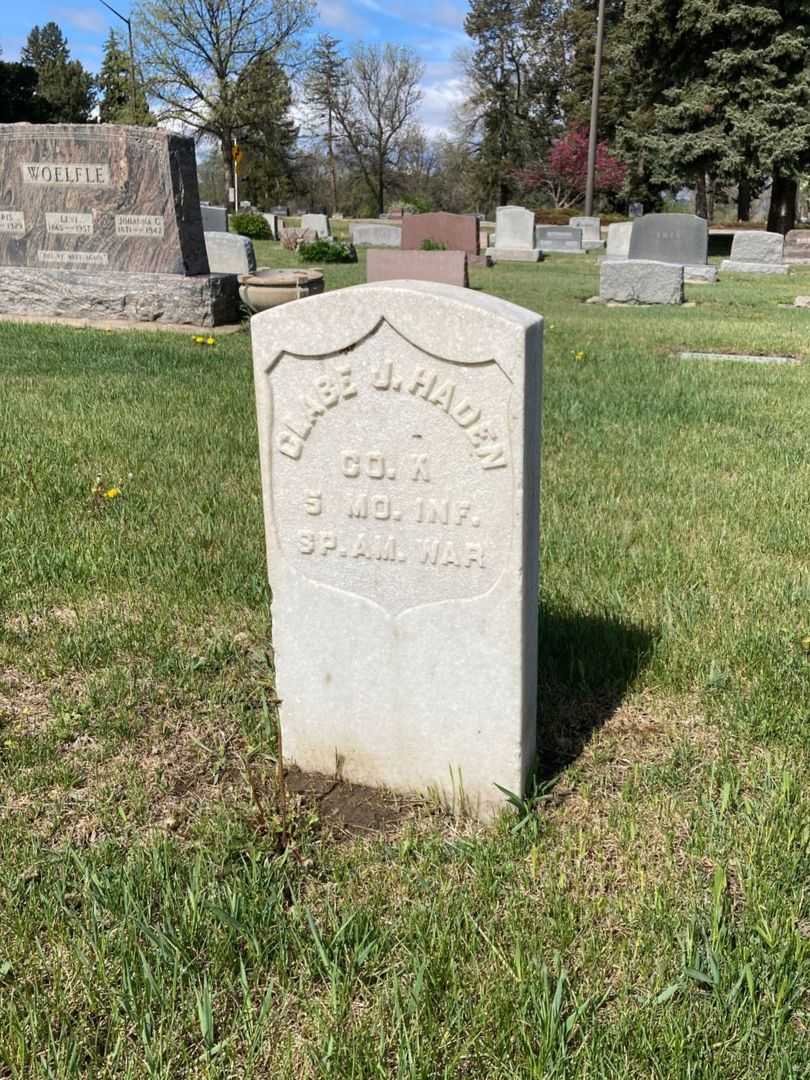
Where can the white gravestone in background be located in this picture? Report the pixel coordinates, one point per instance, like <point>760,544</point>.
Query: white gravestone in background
<point>591,231</point>
<point>618,239</point>
<point>399,430</point>
<point>756,252</point>
<point>318,223</point>
<point>514,235</point>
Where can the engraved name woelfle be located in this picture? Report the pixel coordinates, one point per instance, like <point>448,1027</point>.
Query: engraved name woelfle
<point>66,175</point>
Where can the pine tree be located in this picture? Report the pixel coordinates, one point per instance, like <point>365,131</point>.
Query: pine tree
<point>325,85</point>
<point>269,134</point>
<point>66,91</point>
<point>116,84</point>
<point>721,95</point>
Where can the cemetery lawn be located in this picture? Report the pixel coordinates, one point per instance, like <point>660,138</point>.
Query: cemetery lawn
<point>646,914</point>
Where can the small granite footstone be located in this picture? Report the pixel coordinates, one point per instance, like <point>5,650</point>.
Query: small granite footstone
<point>640,282</point>
<point>399,433</point>
<point>700,275</point>
<point>373,235</point>
<point>204,300</point>
<point>449,267</point>
<point>741,358</point>
<point>229,253</point>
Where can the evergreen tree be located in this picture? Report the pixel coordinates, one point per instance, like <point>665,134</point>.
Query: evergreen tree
<point>66,91</point>
<point>269,134</point>
<point>516,73</point>
<point>116,83</point>
<point>721,95</point>
<point>324,87</point>
<point>18,100</point>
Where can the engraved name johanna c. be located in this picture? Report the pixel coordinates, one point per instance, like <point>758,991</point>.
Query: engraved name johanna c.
<point>328,390</point>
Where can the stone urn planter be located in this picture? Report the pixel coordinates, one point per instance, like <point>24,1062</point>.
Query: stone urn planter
<point>265,289</point>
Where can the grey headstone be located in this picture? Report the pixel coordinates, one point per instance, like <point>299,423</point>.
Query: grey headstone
<point>591,229</point>
<point>99,197</point>
<point>559,238</point>
<point>628,281</point>
<point>371,235</point>
<point>672,238</point>
<point>214,218</point>
<point>618,240</point>
<point>229,253</point>
<point>275,225</point>
<point>797,246</point>
<point>755,246</point>
<point>318,223</point>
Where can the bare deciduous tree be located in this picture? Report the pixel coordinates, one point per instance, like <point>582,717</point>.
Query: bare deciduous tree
<point>196,56</point>
<point>376,109</point>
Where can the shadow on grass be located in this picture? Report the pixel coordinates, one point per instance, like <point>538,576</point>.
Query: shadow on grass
<point>586,664</point>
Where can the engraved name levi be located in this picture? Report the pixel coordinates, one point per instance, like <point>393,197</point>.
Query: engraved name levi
<point>328,390</point>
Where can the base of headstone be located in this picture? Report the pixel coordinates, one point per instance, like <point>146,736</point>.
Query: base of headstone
<point>123,325</point>
<point>593,245</point>
<point>641,281</point>
<point>514,254</point>
<point>700,275</point>
<point>564,251</point>
<point>733,266</point>
<point>201,301</point>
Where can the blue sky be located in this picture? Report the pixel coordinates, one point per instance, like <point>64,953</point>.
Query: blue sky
<point>434,28</point>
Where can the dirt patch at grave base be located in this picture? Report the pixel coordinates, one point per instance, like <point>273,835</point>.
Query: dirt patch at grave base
<point>350,810</point>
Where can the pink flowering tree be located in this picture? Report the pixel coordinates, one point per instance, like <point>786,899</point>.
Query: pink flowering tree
<point>563,175</point>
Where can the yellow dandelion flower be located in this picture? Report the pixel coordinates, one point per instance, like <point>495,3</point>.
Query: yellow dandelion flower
<point>210,341</point>
<point>198,339</point>
<point>579,355</point>
<point>112,493</point>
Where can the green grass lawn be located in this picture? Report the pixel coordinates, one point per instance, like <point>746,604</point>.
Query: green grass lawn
<point>646,915</point>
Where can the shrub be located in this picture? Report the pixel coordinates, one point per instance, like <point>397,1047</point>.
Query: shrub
<point>253,225</point>
<point>432,245</point>
<point>328,251</point>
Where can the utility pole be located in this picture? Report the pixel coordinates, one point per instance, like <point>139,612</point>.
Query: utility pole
<point>132,81</point>
<point>592,136</point>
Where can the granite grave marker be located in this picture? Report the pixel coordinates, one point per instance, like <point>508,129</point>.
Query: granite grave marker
<point>87,209</point>
<point>559,238</point>
<point>458,232</point>
<point>514,236</point>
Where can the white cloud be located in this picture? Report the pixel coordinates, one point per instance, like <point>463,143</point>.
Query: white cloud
<point>336,15</point>
<point>439,101</point>
<point>91,20</point>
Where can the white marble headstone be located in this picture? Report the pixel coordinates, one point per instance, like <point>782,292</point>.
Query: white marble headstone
<point>318,223</point>
<point>514,228</point>
<point>399,430</point>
